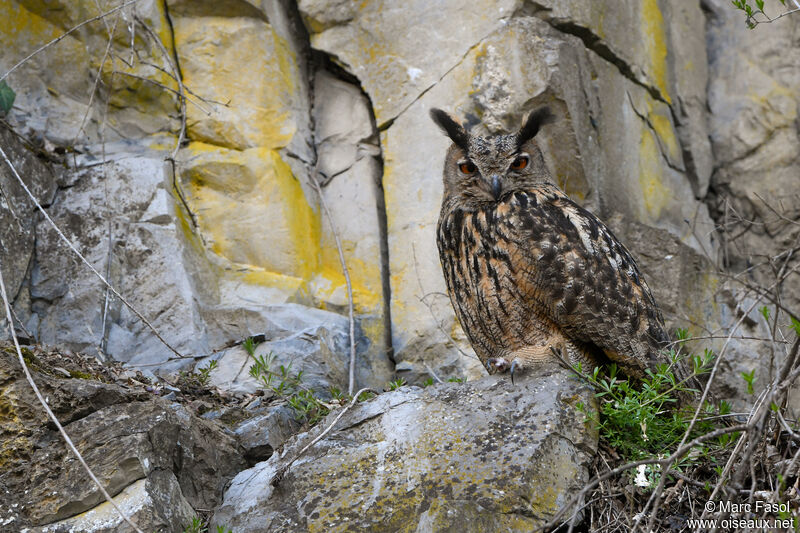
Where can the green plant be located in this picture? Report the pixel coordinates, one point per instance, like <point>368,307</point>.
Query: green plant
<point>751,12</point>
<point>307,407</point>
<point>197,526</point>
<point>396,384</point>
<point>249,345</point>
<point>644,420</point>
<point>200,378</point>
<point>749,378</point>
<point>289,386</point>
<point>427,383</point>
<point>279,380</point>
<point>366,395</point>
<point>456,380</point>
<point>337,394</point>
<point>7,97</point>
<point>204,374</point>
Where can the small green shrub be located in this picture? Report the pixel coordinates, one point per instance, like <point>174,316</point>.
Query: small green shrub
<point>199,526</point>
<point>289,386</point>
<point>645,420</point>
<point>198,379</point>
<point>396,384</point>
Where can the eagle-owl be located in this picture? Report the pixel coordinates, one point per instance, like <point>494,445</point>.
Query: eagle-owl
<point>528,270</point>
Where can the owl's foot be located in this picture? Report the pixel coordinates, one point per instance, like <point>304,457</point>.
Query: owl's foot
<point>497,364</point>
<point>501,364</point>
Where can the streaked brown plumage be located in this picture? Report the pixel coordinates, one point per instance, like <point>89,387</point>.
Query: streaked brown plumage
<point>527,269</point>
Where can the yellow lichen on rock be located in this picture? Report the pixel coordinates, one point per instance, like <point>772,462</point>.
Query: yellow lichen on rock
<point>658,117</point>
<point>251,210</point>
<point>655,195</point>
<point>18,25</point>
<point>656,45</point>
<point>248,70</point>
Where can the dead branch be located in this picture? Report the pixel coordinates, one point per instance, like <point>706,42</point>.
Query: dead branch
<point>63,35</point>
<point>50,413</point>
<point>349,285</point>
<point>280,472</point>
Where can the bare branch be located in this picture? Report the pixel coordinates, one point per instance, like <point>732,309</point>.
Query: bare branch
<point>278,476</point>
<point>50,413</point>
<point>349,285</point>
<point>57,39</point>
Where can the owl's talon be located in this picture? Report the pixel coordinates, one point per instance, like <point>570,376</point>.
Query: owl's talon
<point>514,366</point>
<point>496,364</point>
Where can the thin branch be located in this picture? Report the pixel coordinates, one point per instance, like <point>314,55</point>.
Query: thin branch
<point>112,31</point>
<point>430,307</point>
<point>677,455</point>
<point>50,413</point>
<point>346,271</point>
<point>57,39</point>
<point>176,75</point>
<point>278,476</point>
<point>83,259</point>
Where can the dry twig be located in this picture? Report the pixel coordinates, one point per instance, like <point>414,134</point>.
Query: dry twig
<point>50,413</point>
<point>352,378</point>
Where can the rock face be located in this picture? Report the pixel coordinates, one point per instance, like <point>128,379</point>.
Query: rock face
<point>487,455</point>
<point>753,99</point>
<point>158,460</point>
<point>310,341</point>
<point>214,159</point>
<point>17,212</point>
<point>234,226</point>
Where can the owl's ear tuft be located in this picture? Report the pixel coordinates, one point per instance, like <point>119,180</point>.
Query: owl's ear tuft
<point>533,123</point>
<point>451,127</point>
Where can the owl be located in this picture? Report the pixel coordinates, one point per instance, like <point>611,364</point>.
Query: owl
<point>533,276</point>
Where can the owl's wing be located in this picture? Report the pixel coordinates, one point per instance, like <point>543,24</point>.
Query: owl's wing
<point>566,260</point>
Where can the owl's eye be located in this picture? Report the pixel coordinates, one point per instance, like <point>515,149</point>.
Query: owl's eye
<point>467,167</point>
<point>520,163</point>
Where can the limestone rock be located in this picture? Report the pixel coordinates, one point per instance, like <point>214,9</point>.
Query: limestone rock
<point>313,341</point>
<point>350,171</point>
<point>479,456</point>
<point>379,45</point>
<point>266,432</point>
<point>128,220</point>
<point>754,100</point>
<point>257,106</point>
<point>154,503</point>
<point>56,95</point>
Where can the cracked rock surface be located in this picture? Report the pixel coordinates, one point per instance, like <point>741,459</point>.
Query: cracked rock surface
<point>158,460</point>
<point>486,455</point>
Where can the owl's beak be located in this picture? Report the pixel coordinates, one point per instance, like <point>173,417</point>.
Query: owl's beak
<point>497,187</point>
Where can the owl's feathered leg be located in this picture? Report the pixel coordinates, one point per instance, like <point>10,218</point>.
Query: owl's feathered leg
<point>555,348</point>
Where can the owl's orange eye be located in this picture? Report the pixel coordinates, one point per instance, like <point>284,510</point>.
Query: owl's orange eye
<point>467,167</point>
<point>519,163</point>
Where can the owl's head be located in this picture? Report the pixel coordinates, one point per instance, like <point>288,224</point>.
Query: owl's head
<point>483,170</point>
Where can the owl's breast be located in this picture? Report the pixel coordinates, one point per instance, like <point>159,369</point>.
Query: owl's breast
<point>478,259</point>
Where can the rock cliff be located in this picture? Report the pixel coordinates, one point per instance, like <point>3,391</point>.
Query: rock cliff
<point>213,158</point>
